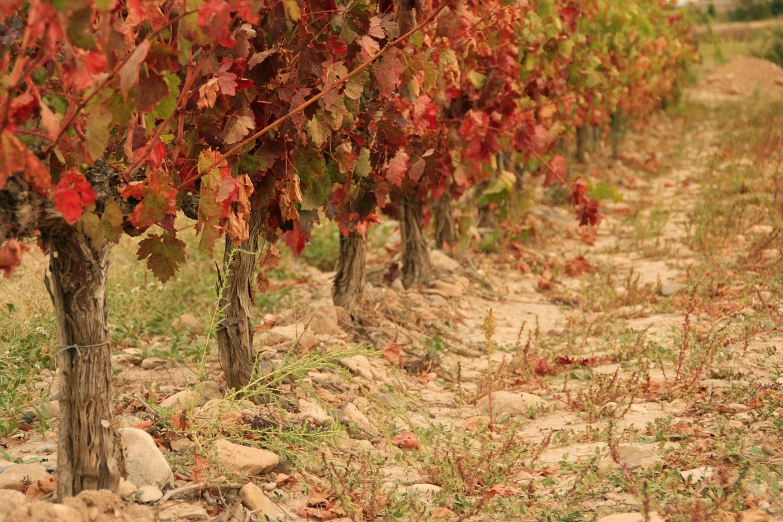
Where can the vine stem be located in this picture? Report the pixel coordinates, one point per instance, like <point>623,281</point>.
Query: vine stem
<point>241,145</point>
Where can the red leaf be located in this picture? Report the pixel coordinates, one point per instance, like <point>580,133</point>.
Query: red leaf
<point>393,354</point>
<point>499,490</point>
<point>397,167</point>
<point>556,171</point>
<point>296,239</point>
<point>388,73</point>
<point>72,194</point>
<point>578,266</point>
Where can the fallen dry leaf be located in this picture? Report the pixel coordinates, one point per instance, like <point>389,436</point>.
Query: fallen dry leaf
<point>578,266</point>
<point>407,440</point>
<point>393,354</point>
<point>500,490</point>
<point>442,512</point>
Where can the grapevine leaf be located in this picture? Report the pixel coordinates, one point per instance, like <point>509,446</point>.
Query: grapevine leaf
<point>16,158</point>
<point>151,90</point>
<point>317,131</point>
<point>315,183</point>
<point>93,229</point>
<point>164,254</point>
<point>346,159</point>
<point>72,193</point>
<point>477,79</point>
<point>166,107</point>
<point>238,126</point>
<point>388,73</point>
<point>258,58</point>
<point>292,10</point>
<point>397,167</point>
<point>363,166</point>
<point>129,74</point>
<point>98,121</point>
<point>112,221</point>
<point>80,29</point>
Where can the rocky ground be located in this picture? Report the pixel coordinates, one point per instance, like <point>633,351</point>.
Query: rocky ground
<point>633,369</point>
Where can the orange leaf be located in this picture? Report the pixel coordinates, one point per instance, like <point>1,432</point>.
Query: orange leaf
<point>499,490</point>
<point>407,440</point>
<point>11,256</point>
<point>393,354</point>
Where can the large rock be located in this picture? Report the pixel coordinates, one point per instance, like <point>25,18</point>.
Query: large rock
<point>505,402</point>
<point>252,461</point>
<point>639,456</point>
<point>149,493</point>
<point>144,462</point>
<point>199,396</point>
<point>254,499</point>
<point>187,323</point>
<point>13,477</point>
<point>441,261</point>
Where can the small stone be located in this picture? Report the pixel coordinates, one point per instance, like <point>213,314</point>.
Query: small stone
<point>442,262</point>
<point>761,229</point>
<point>127,488</point>
<point>669,289</point>
<point>187,323</point>
<point>359,365</point>
<point>13,477</point>
<point>254,499</point>
<point>65,513</point>
<point>200,395</point>
<point>735,424</point>
<point>698,474</point>
<point>47,447</point>
<point>252,461</point>
<point>181,445</point>
<point>353,413</point>
<point>144,462</point>
<point>314,412</point>
<point>447,289</point>
<point>152,363</point>
<point>270,486</point>
<point>148,493</point>
<point>639,456</point>
<point>504,402</point>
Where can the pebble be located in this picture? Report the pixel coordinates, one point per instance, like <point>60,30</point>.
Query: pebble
<point>312,411</point>
<point>698,474</point>
<point>505,402</point>
<point>199,396</point>
<point>254,499</point>
<point>152,363</point>
<point>632,517</point>
<point>442,262</point>
<point>353,413</point>
<point>148,493</point>
<point>669,289</point>
<point>252,461</point>
<point>127,488</point>
<point>47,447</point>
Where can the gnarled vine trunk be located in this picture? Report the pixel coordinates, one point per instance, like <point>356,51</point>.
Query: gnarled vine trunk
<point>582,139</point>
<point>445,227</point>
<point>237,300</point>
<point>416,266</point>
<point>350,277</point>
<point>89,450</point>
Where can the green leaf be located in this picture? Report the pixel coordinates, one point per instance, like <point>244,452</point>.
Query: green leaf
<point>313,179</point>
<point>164,254</point>
<point>477,79</point>
<point>92,228</point>
<point>355,86</point>
<point>166,107</point>
<point>317,131</point>
<point>80,29</point>
<point>104,5</point>
<point>98,121</point>
<point>112,221</point>
<point>292,11</point>
<point>363,167</point>
<point>566,48</point>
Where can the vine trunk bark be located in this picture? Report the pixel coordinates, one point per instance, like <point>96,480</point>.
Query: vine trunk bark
<point>237,300</point>
<point>416,266</point>
<point>445,226</point>
<point>582,139</point>
<point>89,448</point>
<point>350,277</point>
